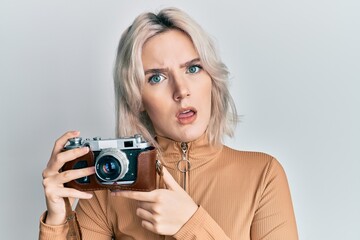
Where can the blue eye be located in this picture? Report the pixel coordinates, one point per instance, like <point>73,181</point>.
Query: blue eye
<point>194,69</point>
<point>156,78</point>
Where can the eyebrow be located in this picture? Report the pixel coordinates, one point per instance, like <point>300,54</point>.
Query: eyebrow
<point>161,70</point>
<point>189,63</point>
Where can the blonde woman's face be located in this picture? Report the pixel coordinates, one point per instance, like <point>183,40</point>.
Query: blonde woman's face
<point>177,91</point>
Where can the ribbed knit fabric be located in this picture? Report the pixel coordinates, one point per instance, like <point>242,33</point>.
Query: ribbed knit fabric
<point>52,232</point>
<point>241,195</point>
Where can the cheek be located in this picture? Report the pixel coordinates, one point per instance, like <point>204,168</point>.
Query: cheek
<point>154,99</point>
<point>151,110</point>
<point>155,110</point>
<point>149,102</point>
<point>207,95</point>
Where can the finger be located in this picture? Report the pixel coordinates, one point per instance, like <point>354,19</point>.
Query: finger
<point>67,176</point>
<point>73,193</point>
<point>148,226</point>
<point>150,207</point>
<point>146,205</point>
<point>70,175</point>
<point>60,159</point>
<point>170,181</point>
<point>139,196</point>
<point>60,142</point>
<point>144,214</point>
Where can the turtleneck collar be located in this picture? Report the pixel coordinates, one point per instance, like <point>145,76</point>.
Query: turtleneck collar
<point>199,151</point>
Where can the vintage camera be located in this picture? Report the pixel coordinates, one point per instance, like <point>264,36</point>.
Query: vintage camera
<point>122,163</point>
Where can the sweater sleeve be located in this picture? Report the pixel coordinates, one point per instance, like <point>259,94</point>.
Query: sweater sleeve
<point>92,220</point>
<point>274,217</point>
<point>49,232</point>
<point>201,226</point>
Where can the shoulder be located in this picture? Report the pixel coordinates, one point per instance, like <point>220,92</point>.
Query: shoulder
<point>251,162</point>
<point>246,157</point>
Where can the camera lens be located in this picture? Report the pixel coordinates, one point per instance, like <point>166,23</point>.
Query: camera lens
<point>108,168</point>
<point>111,165</point>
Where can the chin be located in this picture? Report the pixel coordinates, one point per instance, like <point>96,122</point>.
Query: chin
<point>184,134</point>
<point>190,136</point>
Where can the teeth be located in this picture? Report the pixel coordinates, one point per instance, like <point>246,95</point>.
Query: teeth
<point>186,111</point>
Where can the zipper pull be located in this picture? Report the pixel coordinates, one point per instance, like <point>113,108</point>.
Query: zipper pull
<point>184,165</point>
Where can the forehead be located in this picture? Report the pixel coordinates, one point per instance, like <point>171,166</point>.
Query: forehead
<point>170,47</point>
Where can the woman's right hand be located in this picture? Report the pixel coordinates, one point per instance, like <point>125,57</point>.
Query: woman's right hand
<point>53,180</point>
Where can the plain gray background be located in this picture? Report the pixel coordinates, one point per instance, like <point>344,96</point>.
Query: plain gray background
<point>294,76</point>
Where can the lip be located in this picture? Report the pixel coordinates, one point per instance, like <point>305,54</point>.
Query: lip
<point>186,115</point>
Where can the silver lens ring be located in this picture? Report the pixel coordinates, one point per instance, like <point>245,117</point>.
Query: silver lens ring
<point>115,154</point>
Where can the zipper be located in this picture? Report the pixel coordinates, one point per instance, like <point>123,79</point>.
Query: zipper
<point>183,165</point>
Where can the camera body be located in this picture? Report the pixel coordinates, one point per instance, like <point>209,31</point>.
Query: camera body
<point>122,163</point>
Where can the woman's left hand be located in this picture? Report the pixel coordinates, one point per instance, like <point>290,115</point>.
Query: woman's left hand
<point>163,211</point>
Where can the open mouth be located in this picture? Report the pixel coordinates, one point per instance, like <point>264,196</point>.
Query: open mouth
<point>186,116</point>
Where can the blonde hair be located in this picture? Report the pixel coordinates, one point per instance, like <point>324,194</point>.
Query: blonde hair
<point>129,75</point>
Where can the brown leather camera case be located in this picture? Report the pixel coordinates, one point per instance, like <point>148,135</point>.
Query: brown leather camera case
<point>145,181</point>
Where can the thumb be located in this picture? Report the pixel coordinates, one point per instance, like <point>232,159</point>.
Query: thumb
<point>170,182</point>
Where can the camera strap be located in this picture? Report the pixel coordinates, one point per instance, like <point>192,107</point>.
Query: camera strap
<point>74,232</point>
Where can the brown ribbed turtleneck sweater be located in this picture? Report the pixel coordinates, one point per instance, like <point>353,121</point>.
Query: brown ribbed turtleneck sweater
<point>241,195</point>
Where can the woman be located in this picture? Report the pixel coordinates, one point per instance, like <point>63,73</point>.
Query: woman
<point>172,88</point>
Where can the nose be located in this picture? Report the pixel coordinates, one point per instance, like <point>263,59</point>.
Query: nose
<point>181,88</point>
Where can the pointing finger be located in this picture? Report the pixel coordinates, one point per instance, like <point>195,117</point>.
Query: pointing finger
<point>139,196</point>
<point>170,181</point>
